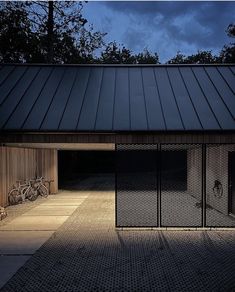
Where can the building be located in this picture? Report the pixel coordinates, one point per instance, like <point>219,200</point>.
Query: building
<point>171,129</point>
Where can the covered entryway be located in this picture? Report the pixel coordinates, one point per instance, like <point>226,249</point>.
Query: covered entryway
<point>90,166</point>
<point>75,166</point>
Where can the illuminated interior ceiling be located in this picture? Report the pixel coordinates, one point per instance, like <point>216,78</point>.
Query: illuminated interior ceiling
<point>66,146</point>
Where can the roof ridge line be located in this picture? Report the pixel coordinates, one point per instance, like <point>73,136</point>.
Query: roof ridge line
<point>117,65</point>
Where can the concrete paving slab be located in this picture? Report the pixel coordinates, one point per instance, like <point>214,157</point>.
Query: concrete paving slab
<point>9,266</point>
<point>51,211</point>
<point>62,202</point>
<point>35,223</point>
<point>62,197</point>
<point>77,193</point>
<point>22,242</point>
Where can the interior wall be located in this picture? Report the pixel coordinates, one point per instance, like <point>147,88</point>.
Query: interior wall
<point>217,169</point>
<point>194,176</point>
<point>24,163</point>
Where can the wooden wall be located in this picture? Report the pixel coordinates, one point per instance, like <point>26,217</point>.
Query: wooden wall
<point>47,166</point>
<point>24,163</point>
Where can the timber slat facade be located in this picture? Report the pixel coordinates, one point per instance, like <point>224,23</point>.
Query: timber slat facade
<point>22,163</point>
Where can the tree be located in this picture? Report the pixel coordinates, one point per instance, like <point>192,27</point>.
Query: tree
<point>227,54</point>
<point>117,54</point>
<point>89,42</point>
<point>147,57</point>
<point>178,59</point>
<point>55,31</point>
<point>53,20</point>
<point>231,30</point>
<point>15,34</point>
<point>201,57</point>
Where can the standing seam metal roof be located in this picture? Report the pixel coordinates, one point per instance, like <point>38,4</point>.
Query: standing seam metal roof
<point>117,98</point>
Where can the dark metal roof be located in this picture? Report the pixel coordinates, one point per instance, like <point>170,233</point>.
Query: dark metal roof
<point>117,98</point>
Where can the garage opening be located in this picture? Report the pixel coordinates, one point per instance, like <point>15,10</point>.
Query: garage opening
<point>76,166</point>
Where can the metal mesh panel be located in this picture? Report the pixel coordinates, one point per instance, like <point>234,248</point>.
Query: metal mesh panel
<point>136,185</point>
<point>181,185</point>
<point>220,185</point>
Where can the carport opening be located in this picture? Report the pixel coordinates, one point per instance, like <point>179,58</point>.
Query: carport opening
<point>77,167</point>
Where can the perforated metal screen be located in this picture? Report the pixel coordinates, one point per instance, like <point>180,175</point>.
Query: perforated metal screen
<point>136,183</point>
<point>220,185</point>
<point>175,185</point>
<point>181,185</point>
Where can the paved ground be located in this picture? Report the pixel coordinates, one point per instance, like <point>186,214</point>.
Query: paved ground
<point>86,253</point>
<point>178,208</point>
<point>29,225</point>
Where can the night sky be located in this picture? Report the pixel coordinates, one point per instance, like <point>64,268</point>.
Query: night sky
<point>163,27</point>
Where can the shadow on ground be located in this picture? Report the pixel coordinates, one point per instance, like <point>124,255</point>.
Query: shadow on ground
<point>87,253</point>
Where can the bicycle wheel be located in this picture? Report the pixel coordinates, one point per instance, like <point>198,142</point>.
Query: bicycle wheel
<point>43,191</point>
<point>31,194</point>
<point>14,197</point>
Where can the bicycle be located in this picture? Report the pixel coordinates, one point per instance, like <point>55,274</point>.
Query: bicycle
<point>40,188</point>
<point>21,192</point>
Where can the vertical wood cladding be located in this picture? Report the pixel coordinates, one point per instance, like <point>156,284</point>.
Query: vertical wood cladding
<point>24,163</point>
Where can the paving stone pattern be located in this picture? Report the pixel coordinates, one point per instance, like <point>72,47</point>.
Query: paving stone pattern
<point>87,254</point>
<point>17,210</point>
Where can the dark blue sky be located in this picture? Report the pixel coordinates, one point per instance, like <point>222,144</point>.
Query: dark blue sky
<point>163,27</point>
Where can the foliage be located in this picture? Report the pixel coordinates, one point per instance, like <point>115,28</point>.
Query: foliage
<point>117,54</point>
<point>227,55</point>
<point>231,30</point>
<point>15,35</point>
<point>177,59</point>
<point>147,57</point>
<point>67,16</point>
<point>46,31</point>
<point>201,57</point>
<point>89,42</point>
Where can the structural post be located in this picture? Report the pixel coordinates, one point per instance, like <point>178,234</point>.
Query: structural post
<point>159,182</point>
<point>54,170</point>
<point>203,185</point>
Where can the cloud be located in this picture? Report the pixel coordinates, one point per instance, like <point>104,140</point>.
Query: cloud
<point>167,27</point>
